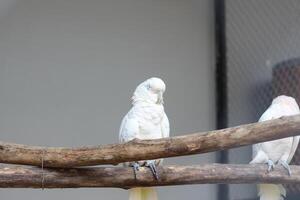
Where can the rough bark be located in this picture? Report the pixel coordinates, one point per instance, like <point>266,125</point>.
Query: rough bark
<point>151,149</point>
<point>120,177</point>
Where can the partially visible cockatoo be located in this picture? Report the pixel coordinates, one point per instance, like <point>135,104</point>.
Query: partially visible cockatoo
<point>145,120</point>
<point>278,151</point>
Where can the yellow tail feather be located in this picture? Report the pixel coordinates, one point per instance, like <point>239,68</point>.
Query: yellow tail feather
<point>146,193</point>
<point>271,192</point>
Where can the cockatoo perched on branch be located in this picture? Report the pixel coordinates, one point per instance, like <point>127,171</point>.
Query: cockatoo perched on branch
<point>278,151</point>
<point>145,120</point>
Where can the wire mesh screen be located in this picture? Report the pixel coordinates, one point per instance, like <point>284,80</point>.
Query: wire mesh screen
<point>263,51</point>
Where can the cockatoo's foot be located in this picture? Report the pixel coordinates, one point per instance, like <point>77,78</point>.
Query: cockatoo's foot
<point>286,166</point>
<point>135,167</point>
<point>271,165</point>
<point>152,166</point>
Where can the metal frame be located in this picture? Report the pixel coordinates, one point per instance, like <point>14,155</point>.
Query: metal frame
<point>221,84</point>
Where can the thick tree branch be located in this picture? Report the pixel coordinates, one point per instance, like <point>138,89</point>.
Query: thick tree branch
<point>119,177</point>
<point>151,149</point>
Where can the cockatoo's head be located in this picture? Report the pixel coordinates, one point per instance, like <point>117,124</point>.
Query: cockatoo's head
<point>286,100</point>
<point>150,91</point>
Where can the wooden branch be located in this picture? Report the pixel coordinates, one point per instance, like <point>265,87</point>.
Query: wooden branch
<point>151,149</point>
<point>119,177</point>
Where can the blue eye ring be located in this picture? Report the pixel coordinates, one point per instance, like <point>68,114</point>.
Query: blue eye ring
<point>148,86</point>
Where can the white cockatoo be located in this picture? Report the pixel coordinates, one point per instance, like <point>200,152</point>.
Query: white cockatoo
<point>278,151</point>
<point>145,120</point>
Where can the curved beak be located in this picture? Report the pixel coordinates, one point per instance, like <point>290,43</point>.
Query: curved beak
<point>160,99</point>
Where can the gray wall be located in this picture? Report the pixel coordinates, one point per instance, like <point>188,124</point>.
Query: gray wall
<point>259,35</point>
<point>68,69</point>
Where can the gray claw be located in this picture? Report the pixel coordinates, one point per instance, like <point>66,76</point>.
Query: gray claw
<point>270,165</point>
<point>136,167</point>
<point>286,166</point>
<point>152,166</point>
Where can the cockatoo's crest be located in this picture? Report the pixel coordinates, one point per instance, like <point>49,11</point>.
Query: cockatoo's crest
<point>149,91</point>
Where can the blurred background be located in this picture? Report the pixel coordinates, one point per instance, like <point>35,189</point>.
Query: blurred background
<point>68,69</point>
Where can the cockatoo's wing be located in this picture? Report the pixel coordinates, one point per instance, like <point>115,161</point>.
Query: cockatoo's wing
<point>295,143</point>
<point>255,149</point>
<point>294,148</point>
<point>275,112</point>
<point>165,126</point>
<point>129,128</point>
<point>267,115</point>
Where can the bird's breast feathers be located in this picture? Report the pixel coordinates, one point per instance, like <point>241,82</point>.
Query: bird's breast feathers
<point>149,113</point>
<point>149,118</point>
